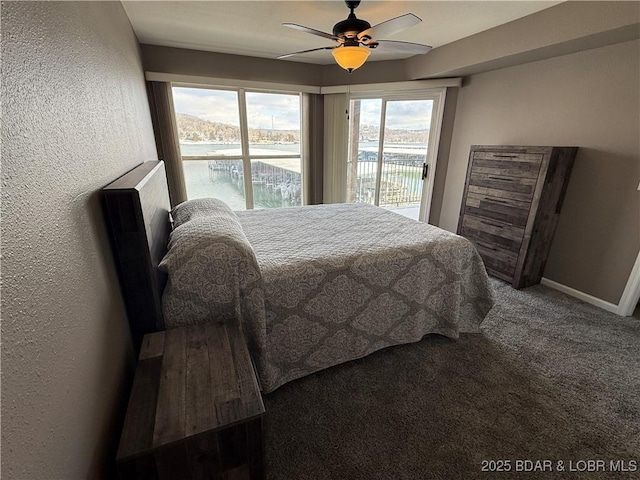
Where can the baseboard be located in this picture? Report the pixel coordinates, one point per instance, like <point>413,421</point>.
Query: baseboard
<point>585,297</point>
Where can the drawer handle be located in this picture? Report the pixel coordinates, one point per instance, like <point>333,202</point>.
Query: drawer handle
<point>504,156</point>
<point>492,224</point>
<point>496,200</point>
<point>502,179</point>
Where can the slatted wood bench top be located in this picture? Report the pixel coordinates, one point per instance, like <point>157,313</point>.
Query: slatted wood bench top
<point>195,407</point>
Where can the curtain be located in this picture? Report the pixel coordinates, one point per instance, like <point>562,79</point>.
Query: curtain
<point>312,144</point>
<point>336,132</point>
<point>165,128</point>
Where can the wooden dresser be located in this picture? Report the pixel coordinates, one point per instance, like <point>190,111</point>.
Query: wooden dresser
<point>511,204</point>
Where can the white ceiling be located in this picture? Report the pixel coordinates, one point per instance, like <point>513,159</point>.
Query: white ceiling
<point>254,28</point>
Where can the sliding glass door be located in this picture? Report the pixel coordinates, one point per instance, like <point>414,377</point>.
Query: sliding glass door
<point>392,147</point>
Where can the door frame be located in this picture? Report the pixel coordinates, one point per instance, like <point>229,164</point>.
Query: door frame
<point>631,293</point>
<point>438,96</point>
<point>432,153</point>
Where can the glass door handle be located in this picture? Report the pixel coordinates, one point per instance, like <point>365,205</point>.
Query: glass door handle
<point>425,170</point>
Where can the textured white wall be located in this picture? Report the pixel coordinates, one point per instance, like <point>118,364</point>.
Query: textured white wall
<point>75,117</point>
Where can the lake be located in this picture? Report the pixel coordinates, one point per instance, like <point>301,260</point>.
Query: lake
<point>275,184</point>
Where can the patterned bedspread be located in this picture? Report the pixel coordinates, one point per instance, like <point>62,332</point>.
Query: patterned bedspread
<point>320,285</point>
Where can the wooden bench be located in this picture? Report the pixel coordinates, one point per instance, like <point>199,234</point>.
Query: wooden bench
<point>195,409</point>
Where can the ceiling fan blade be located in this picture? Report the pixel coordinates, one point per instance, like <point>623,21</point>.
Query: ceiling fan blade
<point>390,27</point>
<point>403,47</point>
<point>312,31</point>
<point>304,51</point>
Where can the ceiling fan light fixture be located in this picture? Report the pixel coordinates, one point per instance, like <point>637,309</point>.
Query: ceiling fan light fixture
<point>356,37</point>
<point>349,57</point>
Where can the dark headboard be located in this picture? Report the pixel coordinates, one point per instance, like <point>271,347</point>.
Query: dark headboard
<point>136,208</point>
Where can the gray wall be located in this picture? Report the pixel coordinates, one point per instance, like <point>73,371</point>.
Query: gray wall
<point>590,100</point>
<point>183,61</point>
<point>75,117</point>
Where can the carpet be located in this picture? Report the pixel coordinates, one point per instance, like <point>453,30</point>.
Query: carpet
<point>550,389</point>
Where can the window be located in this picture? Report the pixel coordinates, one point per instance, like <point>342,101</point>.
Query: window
<point>242,147</point>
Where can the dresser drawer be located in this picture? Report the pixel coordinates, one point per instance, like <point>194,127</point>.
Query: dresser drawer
<point>506,164</point>
<point>498,261</point>
<point>507,210</point>
<point>496,193</point>
<point>492,233</point>
<point>523,187</point>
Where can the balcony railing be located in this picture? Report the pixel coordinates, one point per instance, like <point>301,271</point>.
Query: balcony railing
<point>400,182</point>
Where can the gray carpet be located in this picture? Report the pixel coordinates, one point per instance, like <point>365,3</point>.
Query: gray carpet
<point>550,378</point>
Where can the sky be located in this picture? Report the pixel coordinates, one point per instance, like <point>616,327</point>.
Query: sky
<point>282,112</point>
<point>400,114</point>
<point>264,110</point>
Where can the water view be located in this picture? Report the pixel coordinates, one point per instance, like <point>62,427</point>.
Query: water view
<point>277,182</point>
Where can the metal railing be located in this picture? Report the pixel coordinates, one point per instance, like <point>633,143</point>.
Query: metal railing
<point>400,182</point>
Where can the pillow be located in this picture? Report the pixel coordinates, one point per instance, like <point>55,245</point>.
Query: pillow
<point>201,208</point>
<point>211,268</point>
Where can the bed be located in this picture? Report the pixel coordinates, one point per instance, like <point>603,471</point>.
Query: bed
<point>312,287</point>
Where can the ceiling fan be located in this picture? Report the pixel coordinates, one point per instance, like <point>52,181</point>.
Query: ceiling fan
<point>356,37</point>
